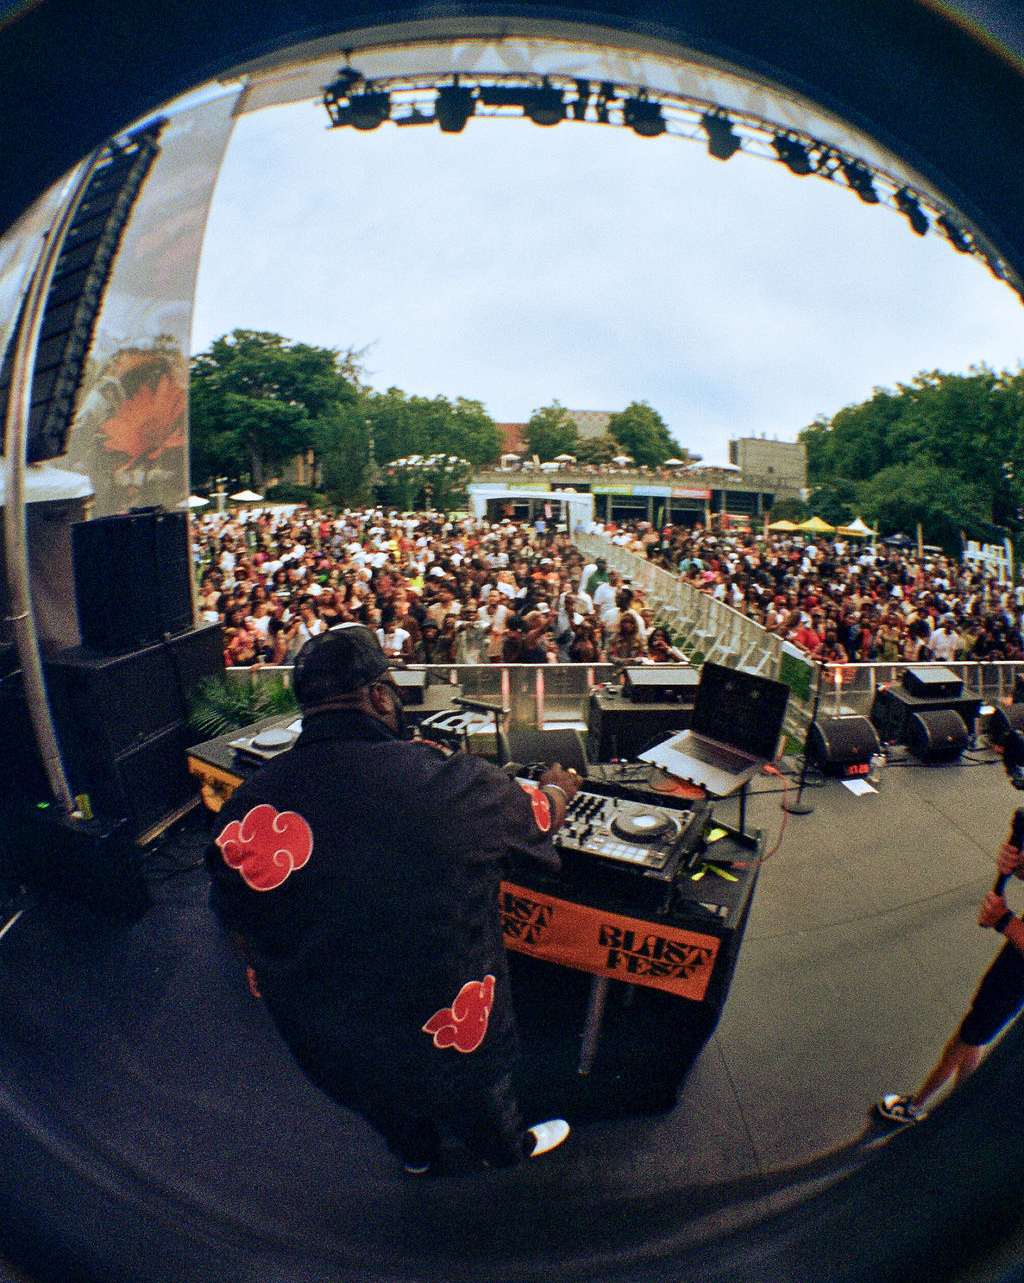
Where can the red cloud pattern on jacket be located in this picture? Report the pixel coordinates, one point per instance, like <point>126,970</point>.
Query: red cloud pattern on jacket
<point>541,804</point>
<point>464,1024</point>
<point>266,846</point>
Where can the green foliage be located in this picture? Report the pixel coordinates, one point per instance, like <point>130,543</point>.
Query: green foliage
<point>551,431</point>
<point>219,705</point>
<point>403,425</point>
<point>289,492</point>
<point>601,449</point>
<point>789,510</point>
<point>835,502</point>
<point>256,400</point>
<point>643,433</point>
<point>946,450</point>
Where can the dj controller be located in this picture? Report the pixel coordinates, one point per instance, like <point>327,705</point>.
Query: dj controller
<point>652,840</point>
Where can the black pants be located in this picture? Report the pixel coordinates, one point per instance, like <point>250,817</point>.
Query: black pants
<point>486,1120</point>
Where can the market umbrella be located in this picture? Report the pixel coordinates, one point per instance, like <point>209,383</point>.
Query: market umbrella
<point>816,526</point>
<point>673,463</point>
<point>565,458</point>
<point>622,459</point>
<point>246,496</point>
<point>194,501</point>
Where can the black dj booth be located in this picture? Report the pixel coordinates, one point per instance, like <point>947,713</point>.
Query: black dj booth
<point>621,963</point>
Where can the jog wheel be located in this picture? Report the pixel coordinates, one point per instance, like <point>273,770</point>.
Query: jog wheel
<point>643,826</point>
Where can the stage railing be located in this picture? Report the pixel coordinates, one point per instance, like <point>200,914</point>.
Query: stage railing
<point>851,688</point>
<point>539,695</point>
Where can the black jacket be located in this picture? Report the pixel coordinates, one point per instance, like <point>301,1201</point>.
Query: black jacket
<point>363,872</point>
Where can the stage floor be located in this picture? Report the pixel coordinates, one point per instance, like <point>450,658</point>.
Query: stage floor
<point>155,1128</point>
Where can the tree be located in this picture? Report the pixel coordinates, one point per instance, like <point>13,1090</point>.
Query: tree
<point>789,510</point>
<point>405,425</point>
<point>551,431</point>
<point>643,433</point>
<point>835,501</point>
<point>597,449</point>
<point>257,399</point>
<point>904,494</point>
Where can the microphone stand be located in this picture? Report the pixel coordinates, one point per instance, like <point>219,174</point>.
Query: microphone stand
<point>798,806</point>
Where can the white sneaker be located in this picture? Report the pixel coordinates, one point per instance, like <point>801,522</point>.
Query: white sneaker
<point>547,1136</point>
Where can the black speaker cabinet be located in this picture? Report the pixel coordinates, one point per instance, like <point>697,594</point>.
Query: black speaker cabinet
<point>932,683</point>
<point>93,862</point>
<point>837,743</point>
<point>620,729</point>
<point>893,707</point>
<point>121,722</point>
<point>563,745</point>
<point>938,735</point>
<point>132,583</point>
<point>653,683</point>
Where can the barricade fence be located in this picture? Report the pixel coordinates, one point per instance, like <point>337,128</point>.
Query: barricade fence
<point>709,629</point>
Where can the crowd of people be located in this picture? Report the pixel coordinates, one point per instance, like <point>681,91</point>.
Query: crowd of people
<point>437,590</point>
<point>434,590</point>
<point>844,601</point>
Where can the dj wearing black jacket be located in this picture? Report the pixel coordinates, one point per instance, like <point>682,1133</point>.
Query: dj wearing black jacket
<point>361,872</point>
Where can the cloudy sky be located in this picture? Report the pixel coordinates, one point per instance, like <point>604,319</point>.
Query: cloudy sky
<point>517,265</point>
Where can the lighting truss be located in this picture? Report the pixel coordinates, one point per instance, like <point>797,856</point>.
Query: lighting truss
<point>452,101</point>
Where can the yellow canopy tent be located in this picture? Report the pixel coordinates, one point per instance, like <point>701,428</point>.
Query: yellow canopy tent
<point>783,525</point>
<point>816,526</point>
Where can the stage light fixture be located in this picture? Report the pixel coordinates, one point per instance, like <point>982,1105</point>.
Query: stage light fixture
<point>644,117</point>
<point>859,178</point>
<point>453,108</point>
<point>369,109</point>
<point>723,141</point>
<point>545,106</point>
<point>955,235</point>
<point>578,110</point>
<point>909,206</point>
<point>336,96</point>
<point>793,154</point>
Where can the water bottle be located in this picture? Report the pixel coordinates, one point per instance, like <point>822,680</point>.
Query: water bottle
<point>875,768</point>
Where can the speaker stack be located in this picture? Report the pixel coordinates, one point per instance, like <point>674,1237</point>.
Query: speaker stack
<point>120,700</point>
<point>925,691</point>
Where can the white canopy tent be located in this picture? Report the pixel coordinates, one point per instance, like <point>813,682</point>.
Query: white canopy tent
<point>579,508</point>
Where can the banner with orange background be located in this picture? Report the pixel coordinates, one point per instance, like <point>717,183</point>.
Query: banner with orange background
<point>607,944</point>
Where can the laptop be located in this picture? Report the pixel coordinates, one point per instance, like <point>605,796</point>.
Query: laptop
<point>735,729</point>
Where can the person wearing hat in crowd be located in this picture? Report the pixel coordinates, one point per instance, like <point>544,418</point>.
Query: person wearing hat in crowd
<point>361,872</point>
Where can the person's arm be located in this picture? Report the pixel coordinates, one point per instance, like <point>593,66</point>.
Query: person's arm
<point>994,911</point>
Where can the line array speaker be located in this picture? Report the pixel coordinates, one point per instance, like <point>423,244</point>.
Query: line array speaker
<point>76,292</point>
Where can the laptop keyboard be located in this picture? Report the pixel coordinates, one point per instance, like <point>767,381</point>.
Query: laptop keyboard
<point>714,756</point>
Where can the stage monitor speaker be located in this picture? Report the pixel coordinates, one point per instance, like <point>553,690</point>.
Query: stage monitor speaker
<point>132,579</point>
<point>937,735</point>
<point>660,683</point>
<point>932,683</point>
<point>563,745</point>
<point>412,685</point>
<point>1004,721</point>
<point>837,744</point>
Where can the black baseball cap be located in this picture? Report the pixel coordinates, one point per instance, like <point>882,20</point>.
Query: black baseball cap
<point>337,662</point>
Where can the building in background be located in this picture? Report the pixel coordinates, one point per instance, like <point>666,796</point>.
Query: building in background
<point>780,464</point>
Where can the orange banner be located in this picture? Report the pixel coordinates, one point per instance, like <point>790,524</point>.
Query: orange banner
<point>629,949</point>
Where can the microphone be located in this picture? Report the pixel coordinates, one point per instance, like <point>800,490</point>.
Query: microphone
<point>483,705</point>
